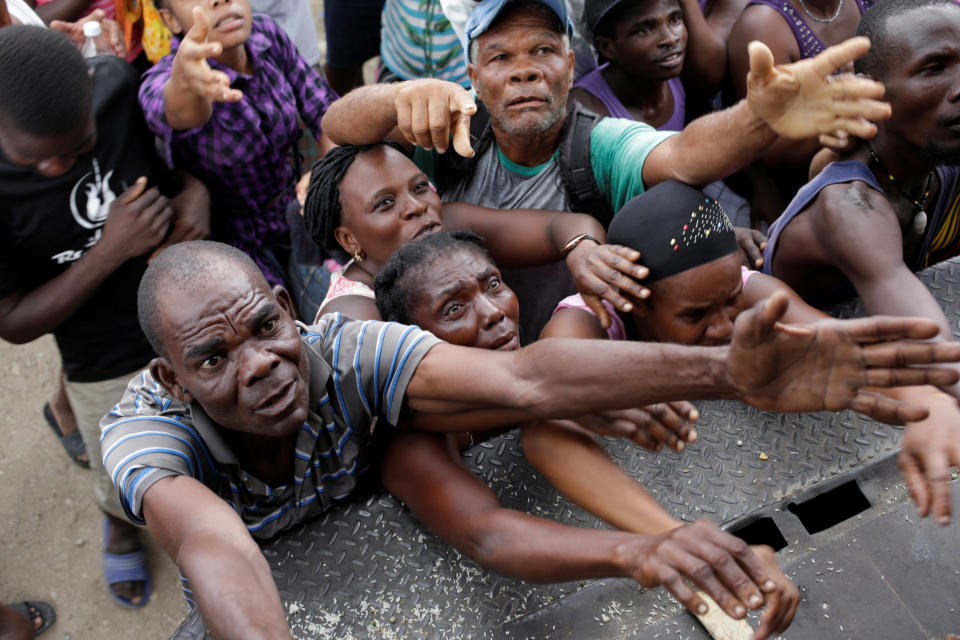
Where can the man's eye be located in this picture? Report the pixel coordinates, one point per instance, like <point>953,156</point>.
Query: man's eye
<point>694,316</point>
<point>211,362</point>
<point>268,326</point>
<point>384,203</point>
<point>452,309</point>
<point>494,283</point>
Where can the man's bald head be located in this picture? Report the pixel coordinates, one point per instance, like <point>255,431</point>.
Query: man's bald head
<point>183,269</point>
<point>874,25</point>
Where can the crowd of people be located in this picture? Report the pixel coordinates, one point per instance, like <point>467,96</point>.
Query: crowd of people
<point>246,338</point>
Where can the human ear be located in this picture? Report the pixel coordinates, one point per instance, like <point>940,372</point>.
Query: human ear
<point>170,20</point>
<point>286,302</point>
<point>472,74</point>
<point>605,47</point>
<point>162,371</point>
<point>346,239</point>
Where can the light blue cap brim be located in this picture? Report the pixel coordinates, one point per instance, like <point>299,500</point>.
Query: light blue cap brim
<point>487,11</point>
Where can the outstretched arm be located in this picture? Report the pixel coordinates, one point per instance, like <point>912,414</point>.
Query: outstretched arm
<point>415,112</point>
<point>874,263</point>
<point>930,446</point>
<point>425,473</point>
<point>230,578</point>
<point>769,365</point>
<point>799,100</point>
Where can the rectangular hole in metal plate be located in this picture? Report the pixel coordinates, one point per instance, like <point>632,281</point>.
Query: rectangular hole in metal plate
<point>761,531</point>
<point>831,507</point>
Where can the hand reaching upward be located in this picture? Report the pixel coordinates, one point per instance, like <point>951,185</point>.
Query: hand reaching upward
<point>804,99</point>
<point>194,86</point>
<point>190,63</point>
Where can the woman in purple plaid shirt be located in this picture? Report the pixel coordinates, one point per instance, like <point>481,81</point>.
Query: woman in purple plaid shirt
<point>227,104</point>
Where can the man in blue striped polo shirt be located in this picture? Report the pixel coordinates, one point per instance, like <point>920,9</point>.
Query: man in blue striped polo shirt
<point>245,425</point>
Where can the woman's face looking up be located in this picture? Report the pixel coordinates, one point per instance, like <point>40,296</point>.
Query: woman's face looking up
<point>386,201</point>
<point>695,307</point>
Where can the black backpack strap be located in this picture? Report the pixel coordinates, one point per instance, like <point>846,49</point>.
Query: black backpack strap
<point>576,169</point>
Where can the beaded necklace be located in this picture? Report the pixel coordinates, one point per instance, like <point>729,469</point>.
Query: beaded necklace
<point>920,217</point>
<point>836,13</point>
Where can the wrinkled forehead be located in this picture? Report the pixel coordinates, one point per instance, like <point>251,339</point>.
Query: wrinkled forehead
<point>446,273</point>
<point>228,291</point>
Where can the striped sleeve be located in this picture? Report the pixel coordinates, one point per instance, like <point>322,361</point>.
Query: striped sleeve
<point>147,436</point>
<point>372,363</point>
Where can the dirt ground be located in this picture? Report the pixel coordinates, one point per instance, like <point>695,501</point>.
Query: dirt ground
<point>50,529</point>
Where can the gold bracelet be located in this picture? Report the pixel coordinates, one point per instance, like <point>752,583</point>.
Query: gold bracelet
<point>574,242</point>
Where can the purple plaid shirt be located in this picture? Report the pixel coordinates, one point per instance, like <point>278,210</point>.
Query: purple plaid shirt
<point>243,152</point>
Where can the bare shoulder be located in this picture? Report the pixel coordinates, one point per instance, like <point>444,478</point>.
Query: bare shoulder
<point>851,203</point>
<point>573,323</point>
<point>760,22</point>
<point>589,101</point>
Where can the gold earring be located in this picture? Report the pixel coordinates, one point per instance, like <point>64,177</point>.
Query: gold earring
<point>358,256</point>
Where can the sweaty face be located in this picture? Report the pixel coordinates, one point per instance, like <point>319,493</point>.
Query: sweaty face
<point>229,20</point>
<point>464,301</point>
<point>49,156</point>
<point>386,201</point>
<point>650,40</point>
<point>695,307</point>
<point>234,348</point>
<point>523,73</point>
<point>923,86</point>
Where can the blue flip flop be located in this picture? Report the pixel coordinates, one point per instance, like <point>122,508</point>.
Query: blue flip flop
<point>125,567</point>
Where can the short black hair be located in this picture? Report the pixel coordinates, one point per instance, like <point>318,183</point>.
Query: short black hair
<point>874,25</point>
<point>397,286</point>
<point>45,86</point>
<point>183,266</point>
<point>322,208</point>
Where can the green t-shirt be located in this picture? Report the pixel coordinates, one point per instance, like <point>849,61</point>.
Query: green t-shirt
<point>618,150</point>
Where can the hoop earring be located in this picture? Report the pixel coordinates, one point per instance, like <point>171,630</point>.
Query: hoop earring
<point>358,256</point>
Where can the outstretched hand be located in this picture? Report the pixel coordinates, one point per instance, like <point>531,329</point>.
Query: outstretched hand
<point>429,110</point>
<point>804,99</point>
<point>824,366</point>
<point>652,427</point>
<point>606,272</point>
<point>191,68</point>
<point>720,564</point>
<point>930,448</point>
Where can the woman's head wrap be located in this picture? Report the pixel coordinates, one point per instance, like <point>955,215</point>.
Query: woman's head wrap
<point>675,227</point>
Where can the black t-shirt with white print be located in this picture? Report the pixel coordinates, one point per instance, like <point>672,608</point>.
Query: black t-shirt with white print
<point>46,224</point>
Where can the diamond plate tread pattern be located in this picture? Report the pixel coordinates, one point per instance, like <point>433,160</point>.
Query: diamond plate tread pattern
<point>367,569</point>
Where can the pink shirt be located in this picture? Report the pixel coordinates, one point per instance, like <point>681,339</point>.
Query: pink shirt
<point>616,331</point>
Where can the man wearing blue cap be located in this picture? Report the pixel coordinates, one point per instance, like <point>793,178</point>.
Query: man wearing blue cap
<point>521,67</point>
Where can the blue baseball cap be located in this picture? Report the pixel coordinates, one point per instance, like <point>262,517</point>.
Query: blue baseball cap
<point>487,11</point>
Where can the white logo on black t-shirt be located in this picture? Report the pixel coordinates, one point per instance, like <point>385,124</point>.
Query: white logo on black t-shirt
<point>91,197</point>
<point>90,201</point>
